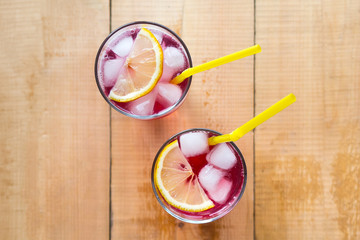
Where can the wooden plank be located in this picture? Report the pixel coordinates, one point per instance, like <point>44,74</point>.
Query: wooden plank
<point>308,157</point>
<point>54,164</point>
<point>220,99</point>
<point>135,212</point>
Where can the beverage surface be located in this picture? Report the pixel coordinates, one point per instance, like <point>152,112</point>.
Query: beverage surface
<point>218,170</point>
<point>164,95</point>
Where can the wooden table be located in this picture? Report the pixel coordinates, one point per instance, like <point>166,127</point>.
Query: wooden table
<point>72,168</point>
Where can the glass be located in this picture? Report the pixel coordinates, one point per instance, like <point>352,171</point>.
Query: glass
<point>112,49</point>
<point>238,177</point>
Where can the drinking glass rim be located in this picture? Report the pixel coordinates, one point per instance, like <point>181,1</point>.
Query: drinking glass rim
<point>205,220</point>
<point>161,113</point>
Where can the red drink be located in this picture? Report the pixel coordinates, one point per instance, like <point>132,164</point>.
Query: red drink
<point>219,170</point>
<point>164,97</point>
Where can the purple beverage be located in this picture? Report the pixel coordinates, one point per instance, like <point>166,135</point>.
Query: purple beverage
<point>195,182</point>
<point>120,55</point>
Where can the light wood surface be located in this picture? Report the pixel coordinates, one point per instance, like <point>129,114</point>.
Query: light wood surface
<point>71,168</point>
<point>307,159</point>
<point>54,126</point>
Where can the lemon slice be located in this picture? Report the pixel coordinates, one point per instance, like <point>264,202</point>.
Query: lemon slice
<point>177,183</point>
<point>142,69</point>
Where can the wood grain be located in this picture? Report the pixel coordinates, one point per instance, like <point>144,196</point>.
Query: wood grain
<point>54,164</point>
<point>308,158</point>
<point>55,126</point>
<point>220,99</point>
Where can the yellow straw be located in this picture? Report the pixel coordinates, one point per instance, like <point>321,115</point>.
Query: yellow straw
<point>256,121</point>
<point>215,63</point>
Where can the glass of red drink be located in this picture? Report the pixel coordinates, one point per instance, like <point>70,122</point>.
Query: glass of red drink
<point>165,97</point>
<point>192,173</point>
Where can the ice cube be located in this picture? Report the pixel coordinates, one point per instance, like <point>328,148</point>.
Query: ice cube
<point>168,73</point>
<point>168,94</point>
<point>158,37</point>
<point>174,58</point>
<point>174,62</point>
<point>123,47</point>
<point>222,156</point>
<point>111,71</point>
<point>221,193</point>
<point>144,106</point>
<point>209,177</point>
<point>194,143</point>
